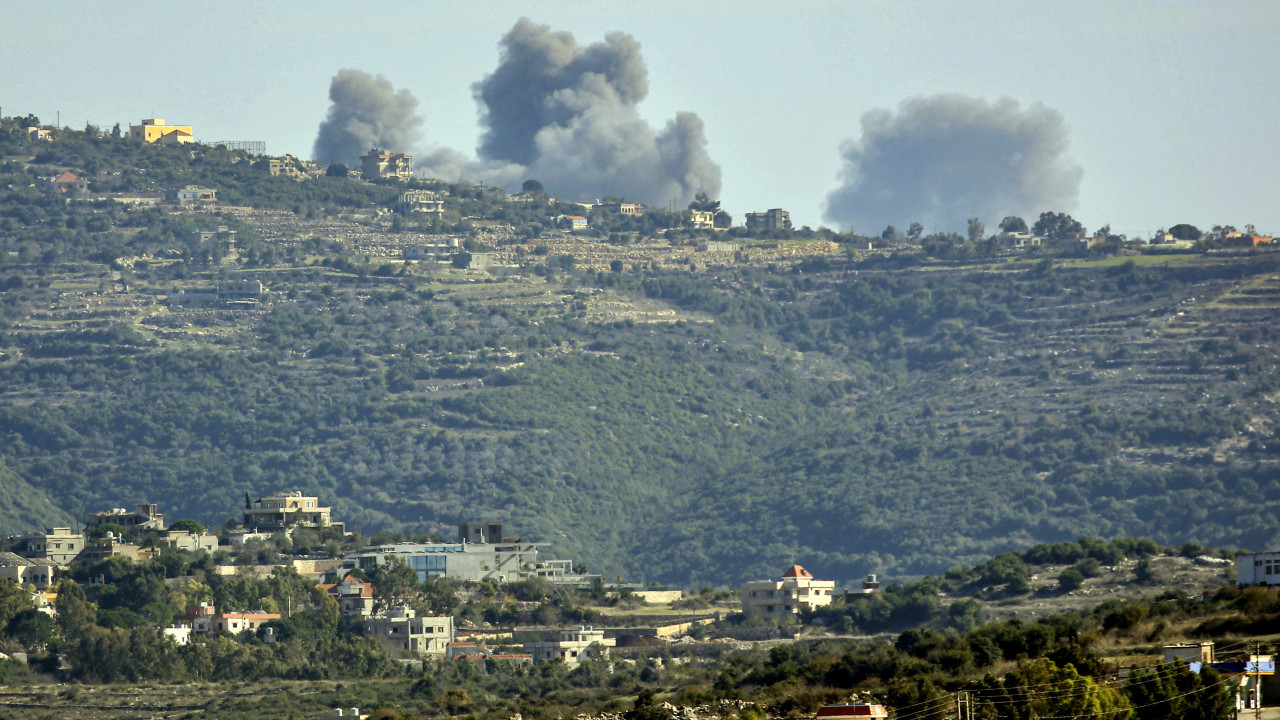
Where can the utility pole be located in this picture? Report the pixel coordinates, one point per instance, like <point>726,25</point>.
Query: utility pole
<point>1257,681</point>
<point>964,705</point>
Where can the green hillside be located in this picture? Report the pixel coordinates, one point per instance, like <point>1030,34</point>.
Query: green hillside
<point>676,419</point>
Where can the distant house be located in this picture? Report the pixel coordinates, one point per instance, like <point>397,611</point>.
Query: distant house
<point>58,544</point>
<point>185,540</point>
<point>145,517</point>
<point>628,209</point>
<point>155,129</point>
<point>1258,568</point>
<point>354,597</point>
<point>401,629</point>
<point>27,571</point>
<point>290,166</point>
<point>193,194</point>
<point>38,134</point>
<point>702,220</point>
<point>382,164</point>
<point>68,182</point>
<point>576,222</point>
<point>797,591</point>
<point>573,647</point>
<point>773,219</point>
<point>206,620</point>
<point>288,510</point>
<point>421,202</point>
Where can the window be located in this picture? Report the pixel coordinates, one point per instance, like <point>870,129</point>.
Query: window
<point>311,503</point>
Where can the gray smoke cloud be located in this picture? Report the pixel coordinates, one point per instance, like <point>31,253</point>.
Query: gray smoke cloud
<point>366,112</point>
<point>946,158</point>
<point>566,115</point>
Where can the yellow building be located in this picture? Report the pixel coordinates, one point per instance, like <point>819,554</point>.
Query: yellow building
<point>797,591</point>
<point>153,129</point>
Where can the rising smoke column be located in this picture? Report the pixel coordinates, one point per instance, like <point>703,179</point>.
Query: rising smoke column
<point>366,112</point>
<point>946,158</point>
<point>566,115</point>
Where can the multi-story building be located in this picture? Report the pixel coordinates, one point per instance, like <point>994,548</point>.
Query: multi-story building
<point>1258,568</point>
<point>702,220</point>
<point>154,129</point>
<point>193,194</point>
<point>26,571</point>
<point>402,630</point>
<point>622,208</point>
<point>795,592</point>
<point>426,203</point>
<point>59,545</point>
<point>206,620</point>
<point>381,164</point>
<point>285,510</point>
<point>573,647</point>
<point>354,597</point>
<point>773,219</point>
<point>145,517</point>
<point>185,540</point>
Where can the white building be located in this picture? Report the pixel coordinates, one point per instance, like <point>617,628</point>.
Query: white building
<point>796,591</point>
<point>1258,569</point>
<point>401,630</point>
<point>573,647</point>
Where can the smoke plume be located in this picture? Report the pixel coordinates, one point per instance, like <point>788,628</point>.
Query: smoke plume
<point>566,115</point>
<point>366,112</point>
<point>946,158</point>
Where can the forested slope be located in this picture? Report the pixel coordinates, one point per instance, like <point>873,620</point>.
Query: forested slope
<point>850,414</point>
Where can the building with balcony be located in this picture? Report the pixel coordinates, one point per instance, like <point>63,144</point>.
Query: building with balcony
<point>382,164</point>
<point>156,129</point>
<point>287,510</point>
<point>401,630</point>
<point>58,545</point>
<point>773,219</point>
<point>573,647</point>
<point>145,517</point>
<point>797,591</point>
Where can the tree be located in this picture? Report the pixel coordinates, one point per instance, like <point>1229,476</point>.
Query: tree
<point>703,202</point>
<point>336,170</point>
<point>723,219</point>
<point>461,260</point>
<point>976,229</point>
<point>1013,224</point>
<point>1183,231</point>
<point>192,526</point>
<point>1057,226</point>
<point>532,187</point>
<point>394,582</point>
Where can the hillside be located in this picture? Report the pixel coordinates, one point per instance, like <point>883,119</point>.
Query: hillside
<point>689,417</point>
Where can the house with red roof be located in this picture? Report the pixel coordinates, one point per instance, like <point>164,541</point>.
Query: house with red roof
<point>797,591</point>
<point>68,182</point>
<point>354,597</point>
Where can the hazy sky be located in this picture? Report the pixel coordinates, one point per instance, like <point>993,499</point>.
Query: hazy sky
<point>1172,108</point>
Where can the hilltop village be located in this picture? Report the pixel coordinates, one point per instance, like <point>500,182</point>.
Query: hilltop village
<point>728,429</point>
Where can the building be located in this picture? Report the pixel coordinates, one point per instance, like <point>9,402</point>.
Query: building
<point>112,546</point>
<point>381,164</point>
<point>189,541</point>
<point>850,711</point>
<point>702,220</point>
<point>145,517</point>
<point>797,591</point>
<point>1201,652</point>
<point>354,597</point>
<point>774,219</point>
<point>206,620</point>
<point>483,531</point>
<point>442,251</point>
<point>426,203</point>
<point>58,545</point>
<point>37,134</point>
<point>573,647</point>
<point>1258,568</point>
<point>193,194</point>
<point>179,634</point>
<point>290,166</point>
<point>402,630</point>
<point>69,183</point>
<point>154,129</point>
<point>622,208</point>
<point>286,510</point>
<point>26,571</point>
<point>503,562</point>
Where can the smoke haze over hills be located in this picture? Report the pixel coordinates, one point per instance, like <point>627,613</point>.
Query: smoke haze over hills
<point>946,158</point>
<point>366,112</point>
<point>566,115</point>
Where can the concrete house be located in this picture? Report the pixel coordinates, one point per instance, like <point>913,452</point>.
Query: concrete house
<point>288,510</point>
<point>401,630</point>
<point>573,647</point>
<point>795,592</point>
<point>58,545</point>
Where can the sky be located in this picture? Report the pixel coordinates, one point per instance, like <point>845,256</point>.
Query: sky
<point>1169,109</point>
